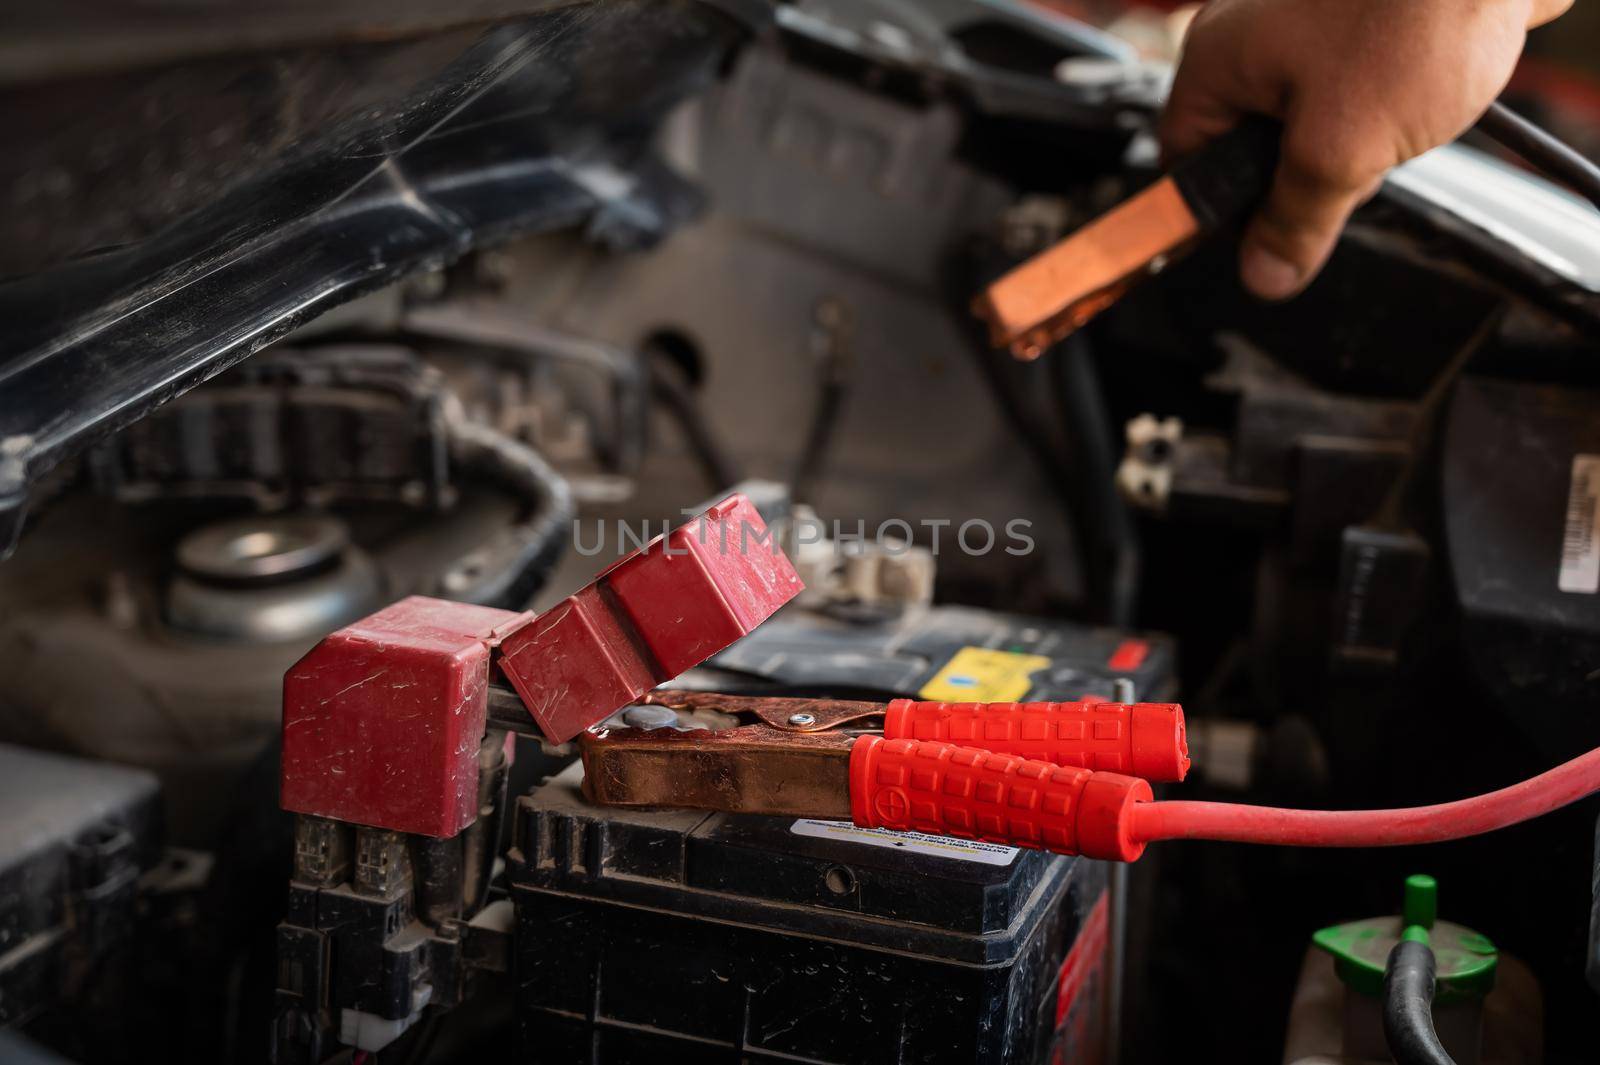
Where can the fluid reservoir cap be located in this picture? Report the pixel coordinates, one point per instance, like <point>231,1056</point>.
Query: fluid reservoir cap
<point>1465,960</point>
<point>263,548</point>
<point>270,578</point>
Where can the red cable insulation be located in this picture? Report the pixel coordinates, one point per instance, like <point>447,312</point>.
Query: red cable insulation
<point>1564,784</point>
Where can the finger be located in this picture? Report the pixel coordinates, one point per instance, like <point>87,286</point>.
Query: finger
<point>1543,11</point>
<point>1214,86</point>
<point>1202,102</point>
<point>1195,112</point>
<point>1294,232</point>
<point>1190,121</point>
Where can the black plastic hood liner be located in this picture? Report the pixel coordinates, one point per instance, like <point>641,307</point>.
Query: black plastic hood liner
<point>533,125</point>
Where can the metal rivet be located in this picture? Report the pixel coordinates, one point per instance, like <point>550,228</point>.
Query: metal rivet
<point>649,717</point>
<point>802,720</point>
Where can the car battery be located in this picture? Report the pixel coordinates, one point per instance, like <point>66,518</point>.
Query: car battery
<point>666,935</point>
<point>678,935</point>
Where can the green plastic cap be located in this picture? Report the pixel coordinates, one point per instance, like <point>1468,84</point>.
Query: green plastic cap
<point>1465,960</point>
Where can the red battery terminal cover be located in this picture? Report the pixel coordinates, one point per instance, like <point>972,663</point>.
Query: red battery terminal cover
<point>382,720</point>
<point>656,612</point>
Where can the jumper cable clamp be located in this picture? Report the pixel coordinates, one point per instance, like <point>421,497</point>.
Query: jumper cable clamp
<point>1048,775</point>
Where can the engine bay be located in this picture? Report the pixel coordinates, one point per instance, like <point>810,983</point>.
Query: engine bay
<point>352,340</point>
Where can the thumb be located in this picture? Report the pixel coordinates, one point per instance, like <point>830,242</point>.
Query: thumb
<point>1294,232</point>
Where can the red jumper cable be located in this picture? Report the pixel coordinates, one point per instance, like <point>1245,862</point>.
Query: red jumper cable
<point>984,789</point>
<point>1566,783</point>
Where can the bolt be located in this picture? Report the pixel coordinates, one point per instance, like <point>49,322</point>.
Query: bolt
<point>802,720</point>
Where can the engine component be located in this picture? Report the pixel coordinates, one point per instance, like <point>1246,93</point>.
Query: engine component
<point>333,425</point>
<point>1300,458</point>
<point>270,579</point>
<point>1521,489</point>
<point>1484,1004</point>
<point>898,191</point>
<point>277,432</point>
<point>69,869</point>
<point>379,927</point>
<point>860,577</point>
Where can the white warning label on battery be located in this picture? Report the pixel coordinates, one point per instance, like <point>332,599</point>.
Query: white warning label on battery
<point>966,850</point>
<point>1580,539</point>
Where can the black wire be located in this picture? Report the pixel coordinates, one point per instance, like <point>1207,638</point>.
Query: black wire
<point>1542,150</point>
<point>1408,1006</point>
<point>1013,392</point>
<point>1392,513</point>
<point>1033,436</point>
<point>720,468</point>
<point>530,549</point>
<point>808,468</point>
<point>1113,546</point>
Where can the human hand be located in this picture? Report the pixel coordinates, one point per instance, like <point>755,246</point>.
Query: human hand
<point>1360,85</point>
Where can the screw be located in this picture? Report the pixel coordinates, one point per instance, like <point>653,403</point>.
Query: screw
<point>802,720</point>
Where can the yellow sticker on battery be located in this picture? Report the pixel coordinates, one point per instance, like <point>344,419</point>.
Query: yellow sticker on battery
<point>983,675</point>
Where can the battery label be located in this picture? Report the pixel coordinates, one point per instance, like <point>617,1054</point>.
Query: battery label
<point>983,675</point>
<point>966,850</point>
<point>1580,540</point>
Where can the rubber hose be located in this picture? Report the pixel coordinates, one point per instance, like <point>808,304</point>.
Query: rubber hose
<point>1408,1006</point>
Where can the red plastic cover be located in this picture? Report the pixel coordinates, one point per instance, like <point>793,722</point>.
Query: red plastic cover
<point>382,720</point>
<point>666,607</point>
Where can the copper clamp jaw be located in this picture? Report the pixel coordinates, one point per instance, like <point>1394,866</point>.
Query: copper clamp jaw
<point>792,757</point>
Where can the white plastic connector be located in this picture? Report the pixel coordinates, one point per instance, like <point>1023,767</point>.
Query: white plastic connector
<point>369,1032</point>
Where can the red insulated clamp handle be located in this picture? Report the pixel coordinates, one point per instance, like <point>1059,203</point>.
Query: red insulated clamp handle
<point>946,790</point>
<point>1142,739</point>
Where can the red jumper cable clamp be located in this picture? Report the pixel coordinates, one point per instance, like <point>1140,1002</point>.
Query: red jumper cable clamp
<point>1030,774</point>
